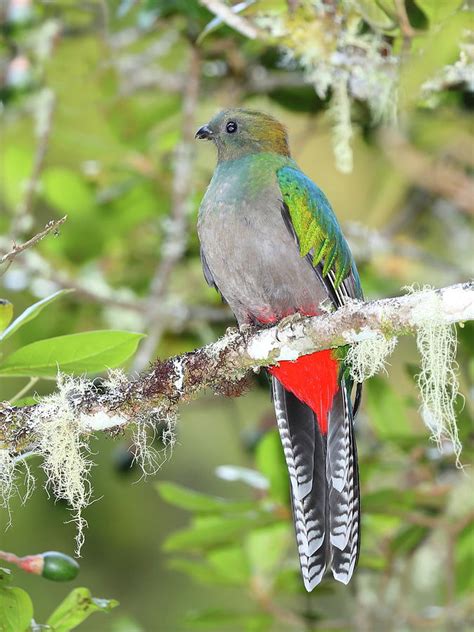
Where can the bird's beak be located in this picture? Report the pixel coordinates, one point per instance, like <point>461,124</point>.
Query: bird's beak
<point>204,132</point>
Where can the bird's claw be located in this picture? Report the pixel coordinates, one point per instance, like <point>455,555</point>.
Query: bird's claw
<point>290,320</point>
<point>246,328</point>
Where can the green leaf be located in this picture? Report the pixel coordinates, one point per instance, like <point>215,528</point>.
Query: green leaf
<point>16,610</point>
<point>381,526</point>
<point>31,312</point>
<point>372,562</point>
<point>200,571</point>
<point>438,10</point>
<point>76,608</point>
<point>408,539</point>
<point>267,547</point>
<point>271,462</point>
<point>211,531</point>
<point>377,16</point>
<point>91,351</point>
<point>231,564</point>
<point>226,565</point>
<point>391,500</point>
<point>6,313</point>
<point>387,410</point>
<point>464,559</point>
<point>191,500</point>
<point>431,54</point>
<point>388,500</point>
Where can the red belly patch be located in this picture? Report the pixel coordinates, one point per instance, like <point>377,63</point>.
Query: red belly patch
<point>313,379</point>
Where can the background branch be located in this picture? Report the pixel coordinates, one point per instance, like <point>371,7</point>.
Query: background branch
<point>235,21</point>
<point>437,176</point>
<point>44,122</point>
<point>177,225</point>
<point>51,227</point>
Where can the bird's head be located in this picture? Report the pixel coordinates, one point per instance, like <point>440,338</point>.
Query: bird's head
<point>237,133</point>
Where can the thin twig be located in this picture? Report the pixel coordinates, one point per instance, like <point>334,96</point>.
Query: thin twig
<point>235,21</point>
<point>138,71</point>
<point>406,29</point>
<point>456,528</point>
<point>260,594</point>
<point>23,391</point>
<point>51,227</point>
<point>11,558</point>
<point>177,316</point>
<point>292,5</point>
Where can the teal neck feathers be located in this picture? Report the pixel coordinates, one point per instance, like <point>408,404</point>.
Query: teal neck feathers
<point>253,172</point>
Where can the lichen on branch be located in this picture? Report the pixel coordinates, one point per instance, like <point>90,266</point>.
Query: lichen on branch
<point>437,381</point>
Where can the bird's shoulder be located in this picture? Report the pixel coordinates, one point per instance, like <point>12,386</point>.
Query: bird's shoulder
<point>314,223</point>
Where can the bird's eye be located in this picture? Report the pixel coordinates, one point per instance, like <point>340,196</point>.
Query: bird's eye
<point>231,127</point>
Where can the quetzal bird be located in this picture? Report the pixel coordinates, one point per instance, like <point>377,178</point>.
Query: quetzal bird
<point>272,246</point>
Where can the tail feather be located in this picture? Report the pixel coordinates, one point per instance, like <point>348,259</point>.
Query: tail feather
<point>339,443</point>
<point>324,484</point>
<point>300,436</point>
<point>344,505</point>
<point>295,438</point>
<point>340,465</point>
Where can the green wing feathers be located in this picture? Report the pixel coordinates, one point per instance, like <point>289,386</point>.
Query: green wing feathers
<point>314,223</point>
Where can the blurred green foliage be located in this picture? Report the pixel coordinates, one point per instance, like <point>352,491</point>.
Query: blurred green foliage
<point>89,351</point>
<point>17,612</point>
<point>97,114</point>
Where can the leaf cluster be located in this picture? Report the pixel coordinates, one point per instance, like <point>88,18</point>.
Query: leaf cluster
<point>17,612</point>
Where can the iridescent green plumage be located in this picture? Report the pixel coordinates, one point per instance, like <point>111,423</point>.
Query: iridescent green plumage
<point>314,223</point>
<point>254,154</point>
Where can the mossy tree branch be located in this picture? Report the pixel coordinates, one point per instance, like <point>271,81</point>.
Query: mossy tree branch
<point>222,365</point>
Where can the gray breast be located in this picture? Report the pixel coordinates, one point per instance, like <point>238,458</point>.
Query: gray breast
<point>252,256</point>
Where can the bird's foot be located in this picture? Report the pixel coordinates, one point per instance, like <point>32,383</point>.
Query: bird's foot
<point>290,320</point>
<point>246,328</point>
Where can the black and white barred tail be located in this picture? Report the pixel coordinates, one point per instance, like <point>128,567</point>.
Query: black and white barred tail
<point>324,484</point>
